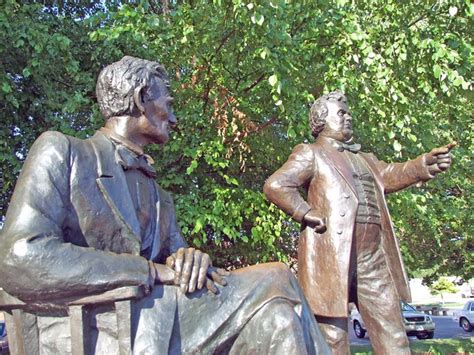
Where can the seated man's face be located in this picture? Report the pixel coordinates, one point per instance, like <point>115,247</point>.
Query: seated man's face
<point>338,121</point>
<point>158,116</point>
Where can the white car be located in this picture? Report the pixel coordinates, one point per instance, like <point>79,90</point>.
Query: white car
<point>416,323</point>
<point>465,317</point>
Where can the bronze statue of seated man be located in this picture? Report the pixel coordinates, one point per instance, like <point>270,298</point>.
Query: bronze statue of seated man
<point>87,216</point>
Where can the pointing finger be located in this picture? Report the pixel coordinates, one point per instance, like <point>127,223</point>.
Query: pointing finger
<point>440,150</point>
<point>451,145</point>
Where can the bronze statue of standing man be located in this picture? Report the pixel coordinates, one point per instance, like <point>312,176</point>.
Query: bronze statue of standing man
<point>347,250</point>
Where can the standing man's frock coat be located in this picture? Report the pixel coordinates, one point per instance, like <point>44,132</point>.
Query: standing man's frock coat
<point>323,259</point>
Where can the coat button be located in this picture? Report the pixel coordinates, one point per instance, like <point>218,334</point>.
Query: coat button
<point>339,232</point>
<point>345,195</point>
<point>342,213</point>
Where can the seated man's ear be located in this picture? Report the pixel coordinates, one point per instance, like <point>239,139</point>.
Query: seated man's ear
<point>138,98</point>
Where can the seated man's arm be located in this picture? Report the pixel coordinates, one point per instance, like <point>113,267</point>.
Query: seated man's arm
<point>192,268</point>
<point>35,262</point>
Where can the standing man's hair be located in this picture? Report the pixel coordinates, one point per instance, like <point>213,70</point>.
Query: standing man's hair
<point>319,111</point>
<point>117,82</point>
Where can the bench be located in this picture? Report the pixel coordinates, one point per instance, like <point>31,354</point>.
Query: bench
<point>22,327</point>
<point>433,310</point>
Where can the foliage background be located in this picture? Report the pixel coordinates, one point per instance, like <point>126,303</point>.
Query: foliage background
<point>243,75</point>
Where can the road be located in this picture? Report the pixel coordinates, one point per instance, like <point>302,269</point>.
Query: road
<point>445,328</point>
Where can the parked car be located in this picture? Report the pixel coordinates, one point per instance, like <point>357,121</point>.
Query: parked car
<point>3,336</point>
<point>467,291</point>
<point>416,323</point>
<point>465,317</point>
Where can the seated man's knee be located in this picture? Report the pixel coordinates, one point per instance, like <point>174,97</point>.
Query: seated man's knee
<point>335,330</point>
<point>279,315</point>
<point>276,271</point>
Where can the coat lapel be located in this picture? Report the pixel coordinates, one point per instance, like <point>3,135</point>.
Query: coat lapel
<point>113,185</point>
<point>336,159</point>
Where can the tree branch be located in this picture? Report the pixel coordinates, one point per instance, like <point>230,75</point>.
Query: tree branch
<point>255,83</point>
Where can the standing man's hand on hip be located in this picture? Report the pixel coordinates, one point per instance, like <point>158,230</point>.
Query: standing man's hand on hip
<point>315,221</point>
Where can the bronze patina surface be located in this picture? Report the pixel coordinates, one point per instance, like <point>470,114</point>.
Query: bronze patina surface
<point>347,250</point>
<point>87,217</point>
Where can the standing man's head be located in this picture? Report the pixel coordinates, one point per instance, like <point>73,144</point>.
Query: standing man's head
<point>133,94</point>
<point>329,116</point>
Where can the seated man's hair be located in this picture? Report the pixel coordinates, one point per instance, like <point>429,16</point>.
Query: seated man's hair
<point>117,82</point>
<point>319,111</point>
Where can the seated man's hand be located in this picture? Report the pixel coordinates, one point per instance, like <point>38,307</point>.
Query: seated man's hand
<point>439,159</point>
<point>315,221</point>
<point>161,274</point>
<point>193,270</point>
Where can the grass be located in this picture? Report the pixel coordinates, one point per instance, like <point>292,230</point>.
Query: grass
<point>431,347</point>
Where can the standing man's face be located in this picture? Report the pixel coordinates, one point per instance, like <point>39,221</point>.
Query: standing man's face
<point>158,116</point>
<point>338,121</point>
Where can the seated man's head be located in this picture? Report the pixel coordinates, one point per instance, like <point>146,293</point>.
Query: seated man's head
<point>135,92</point>
<point>330,117</point>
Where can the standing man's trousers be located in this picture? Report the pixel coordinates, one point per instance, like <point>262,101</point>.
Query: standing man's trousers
<point>374,293</point>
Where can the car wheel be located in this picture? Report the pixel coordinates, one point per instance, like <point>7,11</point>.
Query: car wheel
<point>358,330</point>
<point>428,335</point>
<point>464,323</point>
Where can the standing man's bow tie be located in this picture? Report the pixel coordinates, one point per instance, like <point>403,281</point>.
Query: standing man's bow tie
<point>130,160</point>
<point>354,148</point>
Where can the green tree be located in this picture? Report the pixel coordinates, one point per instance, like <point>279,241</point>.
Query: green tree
<point>443,285</point>
<point>243,75</point>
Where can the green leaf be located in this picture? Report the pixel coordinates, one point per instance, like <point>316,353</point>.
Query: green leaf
<point>437,71</point>
<point>191,168</point>
<point>397,146</point>
<point>291,132</point>
<point>273,80</point>
<point>198,226</point>
<point>6,88</point>
<point>264,53</point>
<point>458,81</point>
